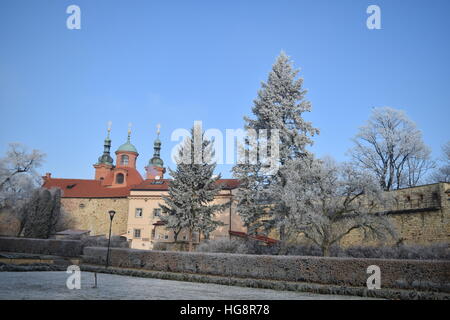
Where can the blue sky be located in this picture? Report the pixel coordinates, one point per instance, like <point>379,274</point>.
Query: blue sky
<point>173,62</point>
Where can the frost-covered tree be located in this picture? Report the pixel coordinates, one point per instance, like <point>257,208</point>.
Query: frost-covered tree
<point>280,105</point>
<point>42,213</point>
<point>442,174</point>
<point>251,195</point>
<point>193,189</point>
<point>17,161</point>
<point>416,169</point>
<point>18,179</point>
<point>327,201</point>
<point>392,148</point>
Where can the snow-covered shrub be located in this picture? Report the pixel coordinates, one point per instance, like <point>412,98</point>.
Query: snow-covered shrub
<point>440,251</point>
<point>160,246</point>
<point>116,242</point>
<point>223,245</point>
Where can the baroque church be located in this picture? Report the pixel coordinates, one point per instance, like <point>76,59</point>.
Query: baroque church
<point>120,187</point>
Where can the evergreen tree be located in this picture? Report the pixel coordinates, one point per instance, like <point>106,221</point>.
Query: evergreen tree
<point>42,213</point>
<point>279,106</point>
<point>193,188</point>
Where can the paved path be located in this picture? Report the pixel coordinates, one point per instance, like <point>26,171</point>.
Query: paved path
<point>52,285</point>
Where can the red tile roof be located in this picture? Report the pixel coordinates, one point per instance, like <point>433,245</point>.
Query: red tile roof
<point>84,188</point>
<point>255,237</point>
<point>163,184</point>
<point>80,188</point>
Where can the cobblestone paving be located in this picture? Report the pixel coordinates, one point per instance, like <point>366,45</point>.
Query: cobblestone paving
<point>52,285</point>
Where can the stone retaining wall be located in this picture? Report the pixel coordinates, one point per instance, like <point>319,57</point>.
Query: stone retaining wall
<point>62,248</point>
<point>403,274</point>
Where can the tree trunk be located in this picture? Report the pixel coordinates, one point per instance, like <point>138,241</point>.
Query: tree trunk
<point>175,235</point>
<point>282,233</point>
<point>326,250</point>
<point>190,240</point>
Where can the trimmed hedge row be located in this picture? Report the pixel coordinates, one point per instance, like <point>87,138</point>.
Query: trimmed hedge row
<point>53,247</point>
<point>402,274</point>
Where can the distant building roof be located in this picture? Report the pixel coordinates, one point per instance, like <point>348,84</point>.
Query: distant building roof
<point>255,237</point>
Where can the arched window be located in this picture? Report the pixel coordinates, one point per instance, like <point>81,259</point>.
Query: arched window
<point>119,178</point>
<point>124,159</point>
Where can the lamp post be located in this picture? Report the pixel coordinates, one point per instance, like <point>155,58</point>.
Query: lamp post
<point>111,216</point>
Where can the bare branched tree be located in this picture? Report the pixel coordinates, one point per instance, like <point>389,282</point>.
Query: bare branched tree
<point>327,201</point>
<point>18,160</point>
<point>442,174</point>
<point>391,147</point>
<point>18,179</point>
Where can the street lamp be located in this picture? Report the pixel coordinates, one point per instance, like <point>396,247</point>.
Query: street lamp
<point>111,216</point>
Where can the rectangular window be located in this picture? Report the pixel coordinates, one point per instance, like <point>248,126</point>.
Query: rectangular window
<point>138,212</point>
<point>137,233</point>
<point>166,236</point>
<point>153,233</point>
<point>157,212</point>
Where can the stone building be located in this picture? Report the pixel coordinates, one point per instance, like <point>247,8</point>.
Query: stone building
<point>135,200</point>
<point>145,227</point>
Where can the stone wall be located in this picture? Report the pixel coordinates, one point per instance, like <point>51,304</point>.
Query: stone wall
<point>53,247</point>
<point>92,214</point>
<point>406,274</point>
<point>420,215</point>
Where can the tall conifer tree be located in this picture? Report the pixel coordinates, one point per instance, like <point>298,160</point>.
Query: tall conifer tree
<point>193,189</point>
<point>280,105</point>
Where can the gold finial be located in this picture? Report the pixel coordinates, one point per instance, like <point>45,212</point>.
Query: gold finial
<point>129,130</point>
<point>158,127</point>
<point>109,127</point>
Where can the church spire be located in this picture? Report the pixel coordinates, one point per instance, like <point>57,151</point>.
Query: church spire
<point>127,146</point>
<point>106,157</point>
<point>155,168</point>
<point>156,160</point>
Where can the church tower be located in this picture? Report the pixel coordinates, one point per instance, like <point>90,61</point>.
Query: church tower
<point>126,154</point>
<point>155,168</point>
<point>105,162</point>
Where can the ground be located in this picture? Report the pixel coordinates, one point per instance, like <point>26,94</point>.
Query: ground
<point>52,285</point>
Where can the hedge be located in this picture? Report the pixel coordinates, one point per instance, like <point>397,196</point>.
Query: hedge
<point>53,247</point>
<point>401,274</point>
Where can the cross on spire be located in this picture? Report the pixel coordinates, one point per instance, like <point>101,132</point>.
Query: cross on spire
<point>129,131</point>
<point>109,127</point>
